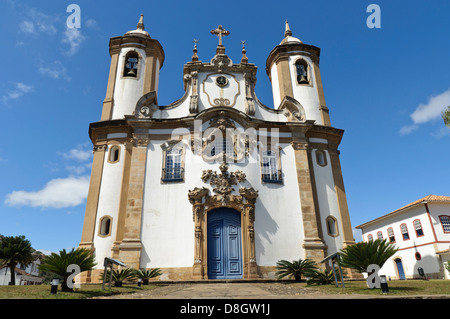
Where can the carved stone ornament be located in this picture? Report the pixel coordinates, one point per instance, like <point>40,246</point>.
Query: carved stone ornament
<point>223,181</point>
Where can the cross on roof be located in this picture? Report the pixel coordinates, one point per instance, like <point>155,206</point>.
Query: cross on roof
<point>220,32</point>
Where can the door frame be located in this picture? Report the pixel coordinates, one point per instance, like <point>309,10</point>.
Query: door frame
<point>237,215</point>
<point>244,203</point>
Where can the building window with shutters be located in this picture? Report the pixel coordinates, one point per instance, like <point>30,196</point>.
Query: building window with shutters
<point>418,228</point>
<point>391,236</point>
<point>404,230</point>
<point>380,235</point>
<point>445,222</point>
<point>369,237</point>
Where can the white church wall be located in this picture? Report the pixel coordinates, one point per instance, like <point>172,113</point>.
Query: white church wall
<point>128,90</point>
<point>327,198</point>
<point>436,210</point>
<point>275,86</point>
<point>108,204</point>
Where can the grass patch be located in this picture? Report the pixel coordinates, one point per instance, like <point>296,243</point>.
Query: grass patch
<point>85,291</point>
<point>396,288</point>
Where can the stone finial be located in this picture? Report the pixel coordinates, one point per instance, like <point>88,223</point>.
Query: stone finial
<point>195,56</point>
<point>244,56</point>
<point>287,32</point>
<point>140,25</point>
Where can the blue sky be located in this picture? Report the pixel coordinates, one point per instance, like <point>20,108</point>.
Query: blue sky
<point>385,87</point>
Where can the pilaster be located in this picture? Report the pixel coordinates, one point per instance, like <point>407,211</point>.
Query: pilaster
<point>130,248</point>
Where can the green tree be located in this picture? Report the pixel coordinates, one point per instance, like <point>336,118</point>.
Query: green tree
<point>146,274</point>
<point>446,116</point>
<point>58,263</point>
<point>295,269</point>
<point>322,277</point>
<point>360,255</point>
<point>15,250</point>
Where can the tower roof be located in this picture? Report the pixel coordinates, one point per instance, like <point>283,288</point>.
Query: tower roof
<point>140,28</point>
<point>288,38</point>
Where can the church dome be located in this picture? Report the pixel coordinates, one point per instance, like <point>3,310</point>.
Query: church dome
<point>139,28</point>
<point>288,38</point>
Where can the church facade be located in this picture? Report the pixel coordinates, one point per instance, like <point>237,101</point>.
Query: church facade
<point>216,184</point>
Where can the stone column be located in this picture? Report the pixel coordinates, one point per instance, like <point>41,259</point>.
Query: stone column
<point>248,224</point>
<point>314,245</point>
<point>109,99</point>
<point>340,193</point>
<point>196,199</point>
<point>130,248</point>
<point>87,237</point>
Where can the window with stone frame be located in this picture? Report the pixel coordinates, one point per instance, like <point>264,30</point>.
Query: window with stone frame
<point>173,162</point>
<point>131,64</point>
<point>105,226</point>
<point>380,235</point>
<point>301,68</point>
<point>332,228</point>
<point>270,167</point>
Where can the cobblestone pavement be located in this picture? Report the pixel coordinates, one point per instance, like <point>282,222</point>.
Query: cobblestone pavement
<point>225,290</point>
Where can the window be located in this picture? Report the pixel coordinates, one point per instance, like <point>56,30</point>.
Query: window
<point>173,170</point>
<point>369,237</point>
<point>380,235</point>
<point>418,228</point>
<point>269,167</point>
<point>445,221</point>
<point>332,226</point>
<point>404,231</point>
<point>221,145</point>
<point>321,158</point>
<point>105,226</point>
<point>418,256</point>
<point>391,236</point>
<point>131,64</point>
<point>114,153</point>
<point>301,67</point>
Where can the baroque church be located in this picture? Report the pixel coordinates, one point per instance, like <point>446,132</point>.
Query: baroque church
<point>215,185</point>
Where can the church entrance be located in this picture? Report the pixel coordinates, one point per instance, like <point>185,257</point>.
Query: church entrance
<point>224,244</point>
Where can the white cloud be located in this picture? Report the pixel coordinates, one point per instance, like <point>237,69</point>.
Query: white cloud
<point>77,153</point>
<point>428,112</point>
<point>73,38</point>
<point>38,22</point>
<point>58,193</point>
<point>19,90</point>
<point>56,70</point>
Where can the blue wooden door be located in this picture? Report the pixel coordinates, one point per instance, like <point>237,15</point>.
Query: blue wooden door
<point>401,272</point>
<point>224,244</point>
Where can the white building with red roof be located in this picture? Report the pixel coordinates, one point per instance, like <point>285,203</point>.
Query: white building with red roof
<point>421,232</point>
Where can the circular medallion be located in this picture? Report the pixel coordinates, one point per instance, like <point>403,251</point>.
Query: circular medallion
<point>221,81</point>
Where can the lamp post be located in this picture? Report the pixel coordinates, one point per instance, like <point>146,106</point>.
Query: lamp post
<point>383,284</point>
<point>54,288</point>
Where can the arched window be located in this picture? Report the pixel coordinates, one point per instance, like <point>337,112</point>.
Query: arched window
<point>301,67</point>
<point>114,154</point>
<point>391,235</point>
<point>321,158</point>
<point>418,228</point>
<point>332,226</point>
<point>131,64</point>
<point>380,235</point>
<point>105,226</point>
<point>369,237</point>
<point>270,171</point>
<point>404,230</point>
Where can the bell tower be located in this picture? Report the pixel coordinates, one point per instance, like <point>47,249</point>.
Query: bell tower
<point>293,69</point>
<point>136,59</point>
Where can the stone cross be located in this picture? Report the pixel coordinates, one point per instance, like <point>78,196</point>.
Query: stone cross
<point>220,32</point>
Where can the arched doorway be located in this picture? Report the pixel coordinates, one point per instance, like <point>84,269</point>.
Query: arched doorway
<point>224,244</point>
<point>400,271</point>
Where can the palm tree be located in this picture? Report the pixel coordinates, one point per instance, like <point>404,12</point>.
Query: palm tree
<point>119,276</point>
<point>58,263</point>
<point>322,277</point>
<point>360,255</point>
<point>15,250</point>
<point>146,274</point>
<point>295,268</point>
